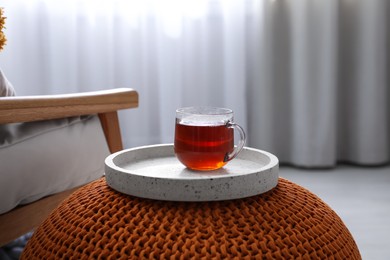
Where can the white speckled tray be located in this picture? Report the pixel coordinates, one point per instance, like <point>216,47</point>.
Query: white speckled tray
<point>154,172</point>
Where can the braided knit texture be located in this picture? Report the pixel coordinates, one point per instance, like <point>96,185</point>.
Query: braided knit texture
<point>288,222</point>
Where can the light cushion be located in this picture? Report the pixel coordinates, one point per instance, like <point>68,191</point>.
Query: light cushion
<point>42,158</point>
<point>6,88</point>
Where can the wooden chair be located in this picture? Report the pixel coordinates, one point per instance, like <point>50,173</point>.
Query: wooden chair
<point>104,103</point>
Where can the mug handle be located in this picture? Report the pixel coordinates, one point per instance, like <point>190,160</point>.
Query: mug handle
<point>241,143</point>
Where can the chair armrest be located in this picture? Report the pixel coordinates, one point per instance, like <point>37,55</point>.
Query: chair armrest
<point>34,108</point>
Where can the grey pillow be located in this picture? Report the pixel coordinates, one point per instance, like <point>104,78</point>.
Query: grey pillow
<point>6,88</point>
<point>42,158</point>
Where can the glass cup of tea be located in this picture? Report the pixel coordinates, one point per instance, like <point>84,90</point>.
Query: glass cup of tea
<point>204,137</point>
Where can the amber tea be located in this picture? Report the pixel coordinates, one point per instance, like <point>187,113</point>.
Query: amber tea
<point>203,147</point>
<point>204,137</point>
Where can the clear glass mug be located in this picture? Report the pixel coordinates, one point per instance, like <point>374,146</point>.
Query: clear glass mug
<point>204,137</point>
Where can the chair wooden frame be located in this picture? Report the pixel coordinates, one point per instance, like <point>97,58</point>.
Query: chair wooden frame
<point>104,103</point>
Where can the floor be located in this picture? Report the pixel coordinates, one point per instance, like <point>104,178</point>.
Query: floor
<point>360,196</point>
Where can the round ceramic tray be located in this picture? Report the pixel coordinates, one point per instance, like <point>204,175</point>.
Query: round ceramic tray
<point>154,172</point>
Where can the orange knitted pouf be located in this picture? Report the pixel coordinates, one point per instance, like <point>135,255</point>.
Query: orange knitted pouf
<point>287,222</point>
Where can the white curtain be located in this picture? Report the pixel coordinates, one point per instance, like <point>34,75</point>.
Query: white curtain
<point>307,79</point>
<point>319,86</point>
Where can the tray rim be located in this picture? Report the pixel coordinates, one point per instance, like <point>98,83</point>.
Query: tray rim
<point>202,175</point>
<point>204,188</point>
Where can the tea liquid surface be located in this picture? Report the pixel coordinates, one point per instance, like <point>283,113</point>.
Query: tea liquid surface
<point>203,147</point>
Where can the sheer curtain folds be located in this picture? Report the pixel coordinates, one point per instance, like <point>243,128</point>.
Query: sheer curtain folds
<point>321,80</point>
<point>308,80</point>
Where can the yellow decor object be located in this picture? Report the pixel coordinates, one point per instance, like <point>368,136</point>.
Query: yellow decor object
<point>288,222</point>
<point>3,40</point>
